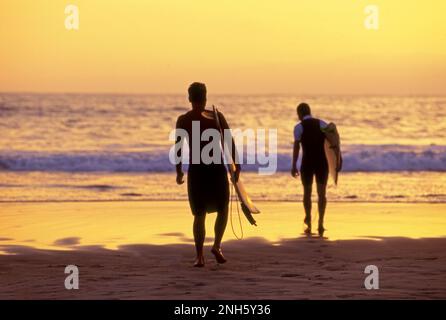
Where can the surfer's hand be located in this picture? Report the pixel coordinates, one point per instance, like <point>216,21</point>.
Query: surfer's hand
<point>180,176</point>
<point>294,172</point>
<point>237,173</point>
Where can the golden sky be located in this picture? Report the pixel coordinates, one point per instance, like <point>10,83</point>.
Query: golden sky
<point>235,46</point>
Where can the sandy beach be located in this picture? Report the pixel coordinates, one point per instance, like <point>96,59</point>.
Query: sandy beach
<point>144,250</point>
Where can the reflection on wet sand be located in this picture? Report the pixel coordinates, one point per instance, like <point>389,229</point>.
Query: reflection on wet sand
<point>65,226</point>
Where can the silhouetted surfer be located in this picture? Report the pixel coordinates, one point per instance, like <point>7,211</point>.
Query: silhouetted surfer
<point>309,133</point>
<point>207,184</point>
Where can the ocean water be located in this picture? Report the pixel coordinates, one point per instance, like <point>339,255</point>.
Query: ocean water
<point>76,147</point>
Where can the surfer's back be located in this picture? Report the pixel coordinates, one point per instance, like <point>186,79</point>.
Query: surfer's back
<point>195,123</point>
<point>312,140</point>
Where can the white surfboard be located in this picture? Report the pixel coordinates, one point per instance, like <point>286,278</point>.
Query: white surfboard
<point>246,203</point>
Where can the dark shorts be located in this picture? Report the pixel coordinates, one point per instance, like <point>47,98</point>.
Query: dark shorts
<point>208,188</point>
<point>308,172</point>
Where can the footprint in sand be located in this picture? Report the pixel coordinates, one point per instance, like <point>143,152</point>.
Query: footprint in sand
<point>199,284</point>
<point>290,275</point>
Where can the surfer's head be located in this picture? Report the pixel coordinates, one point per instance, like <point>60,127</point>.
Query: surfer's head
<point>303,110</point>
<point>197,95</point>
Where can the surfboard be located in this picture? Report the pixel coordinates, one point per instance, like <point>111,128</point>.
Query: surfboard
<point>332,146</point>
<point>246,203</point>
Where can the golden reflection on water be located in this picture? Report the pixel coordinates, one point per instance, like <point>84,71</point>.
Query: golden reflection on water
<point>68,225</point>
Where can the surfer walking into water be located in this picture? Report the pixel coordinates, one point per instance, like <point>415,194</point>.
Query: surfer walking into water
<point>309,134</point>
<point>207,183</point>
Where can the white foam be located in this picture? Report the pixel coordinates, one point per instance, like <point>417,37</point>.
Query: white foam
<point>357,158</point>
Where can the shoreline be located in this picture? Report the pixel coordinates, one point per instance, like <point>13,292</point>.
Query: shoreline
<point>185,200</point>
<point>44,187</point>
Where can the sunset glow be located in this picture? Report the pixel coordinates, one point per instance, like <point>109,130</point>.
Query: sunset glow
<point>284,46</point>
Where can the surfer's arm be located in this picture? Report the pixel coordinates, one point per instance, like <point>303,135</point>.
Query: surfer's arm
<point>179,153</point>
<point>296,150</point>
<point>298,130</point>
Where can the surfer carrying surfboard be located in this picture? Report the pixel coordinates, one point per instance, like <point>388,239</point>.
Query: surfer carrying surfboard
<point>207,183</point>
<point>309,134</point>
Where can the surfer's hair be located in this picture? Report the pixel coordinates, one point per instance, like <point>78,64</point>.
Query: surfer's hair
<point>197,92</point>
<point>303,110</point>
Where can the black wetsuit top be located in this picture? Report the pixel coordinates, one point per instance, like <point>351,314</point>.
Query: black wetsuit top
<point>314,161</point>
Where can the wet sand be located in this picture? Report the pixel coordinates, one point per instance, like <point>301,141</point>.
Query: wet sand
<point>144,250</point>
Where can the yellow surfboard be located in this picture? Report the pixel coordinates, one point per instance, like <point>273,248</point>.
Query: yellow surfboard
<point>332,147</point>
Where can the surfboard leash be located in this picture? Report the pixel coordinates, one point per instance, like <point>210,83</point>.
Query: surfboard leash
<point>238,213</point>
<point>232,185</point>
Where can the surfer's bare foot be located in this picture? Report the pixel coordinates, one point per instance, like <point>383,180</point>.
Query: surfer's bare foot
<point>218,255</point>
<point>321,230</point>
<point>199,262</point>
<point>307,222</point>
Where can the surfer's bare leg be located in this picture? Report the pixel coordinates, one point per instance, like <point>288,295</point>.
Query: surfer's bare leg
<point>220,227</point>
<point>307,205</point>
<point>322,204</point>
<point>199,236</point>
